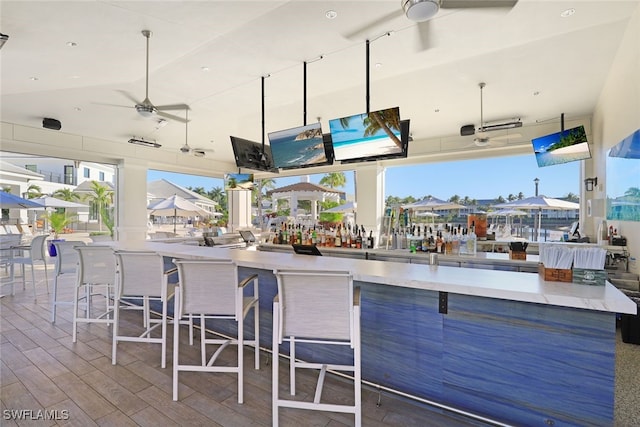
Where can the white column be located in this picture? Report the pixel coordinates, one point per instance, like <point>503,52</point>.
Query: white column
<point>314,209</point>
<point>131,206</point>
<point>370,197</point>
<point>293,204</point>
<point>239,203</point>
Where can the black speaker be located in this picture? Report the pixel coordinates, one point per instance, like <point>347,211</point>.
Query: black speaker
<point>467,130</point>
<point>51,124</point>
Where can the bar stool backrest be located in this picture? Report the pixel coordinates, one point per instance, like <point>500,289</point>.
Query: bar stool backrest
<point>208,286</point>
<point>67,258</point>
<point>97,265</point>
<point>139,273</point>
<point>38,248</point>
<point>315,304</point>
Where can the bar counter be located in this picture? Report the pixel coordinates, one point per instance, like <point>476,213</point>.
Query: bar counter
<point>501,345</point>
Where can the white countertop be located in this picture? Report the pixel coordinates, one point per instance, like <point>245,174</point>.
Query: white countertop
<point>525,287</point>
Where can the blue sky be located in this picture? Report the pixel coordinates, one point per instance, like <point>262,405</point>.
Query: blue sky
<point>478,179</point>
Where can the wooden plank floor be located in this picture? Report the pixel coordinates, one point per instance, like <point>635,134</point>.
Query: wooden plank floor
<point>41,369</point>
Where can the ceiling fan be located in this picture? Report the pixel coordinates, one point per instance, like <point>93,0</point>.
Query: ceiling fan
<point>482,137</point>
<point>421,11</point>
<point>146,108</point>
<point>186,148</point>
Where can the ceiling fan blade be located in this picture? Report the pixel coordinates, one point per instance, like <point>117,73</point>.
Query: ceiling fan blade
<point>477,4</point>
<point>171,116</point>
<point>172,107</point>
<point>424,34</point>
<point>365,31</point>
<point>130,97</point>
<point>113,105</point>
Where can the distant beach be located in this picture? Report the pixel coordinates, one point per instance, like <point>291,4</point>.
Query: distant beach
<point>366,148</point>
<point>563,155</point>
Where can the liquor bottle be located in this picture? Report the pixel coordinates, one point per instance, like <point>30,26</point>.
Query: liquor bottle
<point>370,241</point>
<point>354,237</point>
<point>439,242</point>
<point>346,241</point>
<point>323,237</point>
<point>472,240</point>
<point>314,236</point>
<point>338,240</point>
<point>359,240</point>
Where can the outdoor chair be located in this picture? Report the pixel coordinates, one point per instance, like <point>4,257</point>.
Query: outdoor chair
<point>209,290</point>
<point>141,276</point>
<point>96,269</point>
<point>320,308</point>
<point>33,254</point>
<point>66,262</point>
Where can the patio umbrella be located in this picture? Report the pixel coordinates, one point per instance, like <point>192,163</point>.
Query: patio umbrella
<point>508,213</point>
<point>52,202</point>
<point>11,201</point>
<point>540,202</point>
<point>432,204</point>
<point>177,206</point>
<point>349,207</point>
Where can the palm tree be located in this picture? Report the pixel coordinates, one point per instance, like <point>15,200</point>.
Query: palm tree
<point>257,195</point>
<point>572,197</point>
<point>455,199</point>
<point>33,191</point>
<point>334,179</point>
<point>520,195</point>
<point>511,197</point>
<point>102,197</point>
<point>66,194</point>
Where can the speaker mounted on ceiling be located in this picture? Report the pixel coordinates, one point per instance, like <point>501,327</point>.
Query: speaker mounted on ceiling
<point>54,124</point>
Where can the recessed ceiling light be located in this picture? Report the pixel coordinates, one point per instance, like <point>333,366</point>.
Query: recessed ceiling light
<point>331,14</point>
<point>78,109</point>
<point>378,64</point>
<point>33,79</point>
<point>437,110</point>
<point>567,13</point>
<point>205,69</point>
<point>74,77</point>
<point>72,44</point>
<point>536,93</point>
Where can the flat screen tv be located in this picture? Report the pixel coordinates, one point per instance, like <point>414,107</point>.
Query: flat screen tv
<point>368,136</point>
<point>238,181</point>
<point>249,155</point>
<point>561,147</point>
<point>299,147</point>
<point>404,138</point>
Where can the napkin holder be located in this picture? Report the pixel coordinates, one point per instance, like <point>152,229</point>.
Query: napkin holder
<point>518,250</point>
<point>555,274</point>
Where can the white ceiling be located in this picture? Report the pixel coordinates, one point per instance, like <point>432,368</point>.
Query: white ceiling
<point>528,49</point>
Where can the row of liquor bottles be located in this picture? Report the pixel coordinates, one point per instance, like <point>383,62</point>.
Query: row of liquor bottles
<point>452,240</point>
<point>340,237</point>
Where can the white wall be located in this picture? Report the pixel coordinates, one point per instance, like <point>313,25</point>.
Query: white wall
<point>616,116</point>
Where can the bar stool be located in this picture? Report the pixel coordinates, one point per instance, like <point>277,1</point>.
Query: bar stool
<point>96,269</point>
<point>209,290</point>
<point>141,275</point>
<point>36,252</point>
<point>66,261</point>
<point>316,307</point>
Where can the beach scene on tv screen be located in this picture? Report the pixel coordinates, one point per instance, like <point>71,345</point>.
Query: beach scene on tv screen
<point>561,147</point>
<point>297,147</point>
<point>366,135</point>
<point>238,181</point>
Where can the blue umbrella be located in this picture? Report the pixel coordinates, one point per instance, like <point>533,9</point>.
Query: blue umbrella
<point>11,201</point>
